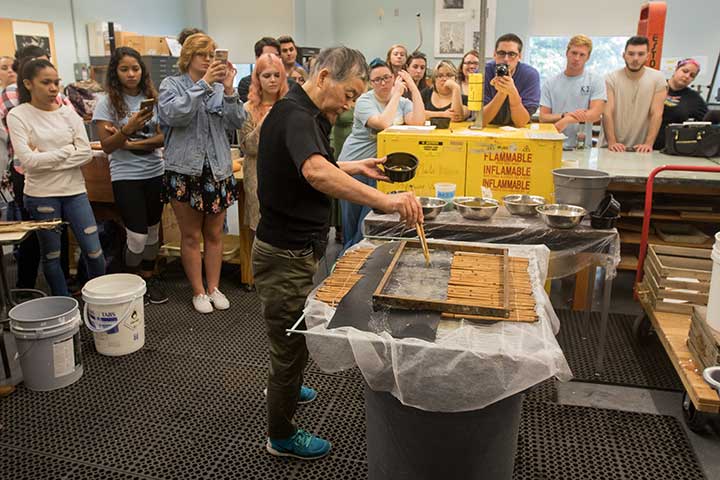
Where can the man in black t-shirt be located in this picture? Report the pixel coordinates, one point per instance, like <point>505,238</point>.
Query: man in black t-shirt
<point>296,172</point>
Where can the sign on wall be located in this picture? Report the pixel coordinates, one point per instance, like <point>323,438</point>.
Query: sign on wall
<point>457,24</point>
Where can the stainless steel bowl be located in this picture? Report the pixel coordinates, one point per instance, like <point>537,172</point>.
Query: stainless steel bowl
<point>558,215</point>
<point>522,204</point>
<point>431,206</point>
<point>485,208</point>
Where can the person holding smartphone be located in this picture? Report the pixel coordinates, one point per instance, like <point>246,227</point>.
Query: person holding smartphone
<point>198,108</point>
<point>128,128</point>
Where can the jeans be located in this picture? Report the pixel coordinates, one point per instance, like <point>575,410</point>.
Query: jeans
<point>283,280</point>
<point>353,216</point>
<point>76,210</point>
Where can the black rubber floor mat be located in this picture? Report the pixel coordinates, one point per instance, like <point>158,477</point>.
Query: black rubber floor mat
<point>190,405</point>
<point>562,442</point>
<point>627,361</point>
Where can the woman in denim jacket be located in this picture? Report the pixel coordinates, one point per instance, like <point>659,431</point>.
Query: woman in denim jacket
<point>197,110</point>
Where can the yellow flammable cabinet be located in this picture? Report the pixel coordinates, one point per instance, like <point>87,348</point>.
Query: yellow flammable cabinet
<point>442,157</point>
<point>504,160</point>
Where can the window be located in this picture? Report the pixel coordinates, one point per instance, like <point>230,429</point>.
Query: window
<point>547,55</point>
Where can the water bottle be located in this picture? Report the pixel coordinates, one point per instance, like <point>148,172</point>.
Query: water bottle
<point>580,138</point>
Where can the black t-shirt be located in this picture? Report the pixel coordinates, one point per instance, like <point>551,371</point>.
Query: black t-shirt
<point>426,95</point>
<point>680,106</point>
<point>292,212</point>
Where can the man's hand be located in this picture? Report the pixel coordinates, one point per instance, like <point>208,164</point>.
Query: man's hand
<point>580,115</point>
<point>616,147</point>
<point>643,148</point>
<point>370,168</point>
<point>407,205</point>
<point>505,85</point>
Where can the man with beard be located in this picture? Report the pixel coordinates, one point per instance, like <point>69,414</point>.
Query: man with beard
<point>575,98</point>
<point>635,101</point>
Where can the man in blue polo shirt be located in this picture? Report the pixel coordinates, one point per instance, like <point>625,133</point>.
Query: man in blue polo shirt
<point>510,99</point>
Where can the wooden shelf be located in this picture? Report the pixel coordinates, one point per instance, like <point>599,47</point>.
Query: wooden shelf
<point>628,262</point>
<point>676,217</point>
<point>634,239</point>
<point>672,330</point>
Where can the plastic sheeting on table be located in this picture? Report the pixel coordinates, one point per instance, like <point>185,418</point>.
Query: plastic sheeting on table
<point>572,250</point>
<point>469,365</point>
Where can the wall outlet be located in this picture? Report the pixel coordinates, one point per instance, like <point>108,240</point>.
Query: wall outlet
<point>397,12</point>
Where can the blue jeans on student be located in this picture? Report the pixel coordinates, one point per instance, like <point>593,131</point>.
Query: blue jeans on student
<point>76,210</point>
<point>353,216</point>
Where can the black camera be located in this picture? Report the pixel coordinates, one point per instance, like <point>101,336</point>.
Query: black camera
<point>502,70</point>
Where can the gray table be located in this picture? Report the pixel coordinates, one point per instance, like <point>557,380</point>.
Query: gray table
<point>570,250</point>
<point>634,168</point>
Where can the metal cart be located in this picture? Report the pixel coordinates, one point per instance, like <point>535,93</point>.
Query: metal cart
<point>700,401</point>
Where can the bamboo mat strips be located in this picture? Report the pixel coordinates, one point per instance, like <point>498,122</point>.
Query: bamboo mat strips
<point>24,226</point>
<point>477,279</point>
<point>343,277</point>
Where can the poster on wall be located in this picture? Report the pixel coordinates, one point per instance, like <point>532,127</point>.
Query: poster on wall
<point>456,27</point>
<point>31,33</point>
<point>452,39</point>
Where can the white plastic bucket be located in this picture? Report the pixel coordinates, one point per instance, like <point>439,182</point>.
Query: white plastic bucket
<point>47,333</point>
<point>115,313</point>
<point>713,306</point>
<point>446,191</point>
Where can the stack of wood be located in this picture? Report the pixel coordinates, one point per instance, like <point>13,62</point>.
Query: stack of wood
<point>344,277</point>
<point>26,226</point>
<point>477,279</point>
<point>703,341</point>
<point>677,278</point>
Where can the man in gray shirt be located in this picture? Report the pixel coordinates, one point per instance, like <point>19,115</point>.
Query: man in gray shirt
<point>574,99</point>
<point>636,95</point>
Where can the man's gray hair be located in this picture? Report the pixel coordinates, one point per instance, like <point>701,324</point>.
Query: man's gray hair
<point>343,63</point>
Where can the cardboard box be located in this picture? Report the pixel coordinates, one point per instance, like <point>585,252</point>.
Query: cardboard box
<point>146,44</point>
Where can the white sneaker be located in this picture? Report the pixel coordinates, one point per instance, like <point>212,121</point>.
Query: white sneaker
<point>219,300</point>
<point>202,303</point>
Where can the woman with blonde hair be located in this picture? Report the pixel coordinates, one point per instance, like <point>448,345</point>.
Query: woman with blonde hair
<point>267,86</point>
<point>397,58</point>
<point>198,108</point>
<point>444,98</point>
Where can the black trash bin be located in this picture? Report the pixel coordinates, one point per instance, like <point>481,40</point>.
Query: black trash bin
<point>406,443</point>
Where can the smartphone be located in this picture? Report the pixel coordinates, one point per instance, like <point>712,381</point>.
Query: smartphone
<point>148,104</point>
<point>221,55</point>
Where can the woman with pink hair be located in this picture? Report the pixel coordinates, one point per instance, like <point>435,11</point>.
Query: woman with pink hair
<point>268,85</point>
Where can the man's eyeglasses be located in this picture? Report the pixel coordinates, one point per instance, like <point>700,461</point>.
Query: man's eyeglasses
<point>503,53</point>
<point>381,80</point>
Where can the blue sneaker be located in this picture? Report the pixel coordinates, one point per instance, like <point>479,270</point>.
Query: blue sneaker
<point>307,395</point>
<point>302,445</point>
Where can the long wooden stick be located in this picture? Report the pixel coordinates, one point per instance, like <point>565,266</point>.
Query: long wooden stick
<point>421,234</point>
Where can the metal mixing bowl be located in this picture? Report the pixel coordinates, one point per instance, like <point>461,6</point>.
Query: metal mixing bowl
<point>558,215</point>
<point>431,206</point>
<point>522,204</point>
<point>472,212</point>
